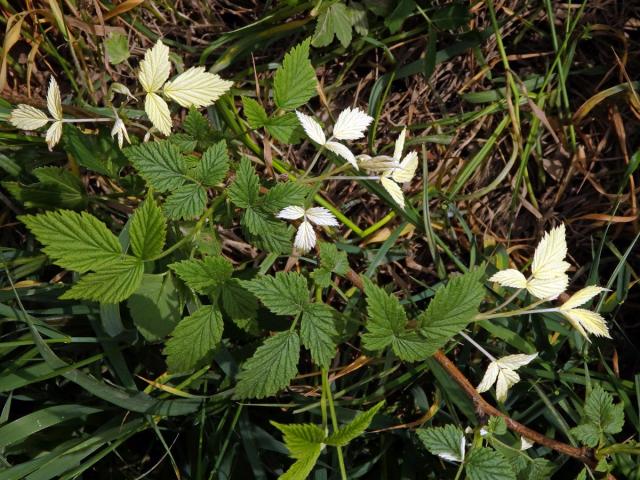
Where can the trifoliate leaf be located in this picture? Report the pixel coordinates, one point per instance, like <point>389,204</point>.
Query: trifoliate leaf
<point>193,339</point>
<point>587,434</point>
<point>214,165</point>
<point>113,283</point>
<point>160,163</point>
<point>295,81</point>
<point>75,241</point>
<point>203,275</point>
<point>452,308</point>
<point>155,306</point>
<point>271,367</point>
<point>538,469</point>
<point>285,293</point>
<point>486,464</point>
<point>148,230</point>
<point>600,411</point>
<point>186,202</point>
<point>355,428</point>
<point>387,318</point>
<point>318,332</point>
<point>341,23</point>
<point>447,442</point>
<point>245,189</point>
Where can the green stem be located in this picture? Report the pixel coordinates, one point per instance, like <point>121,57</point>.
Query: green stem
<point>521,311</point>
<point>459,472</point>
<point>334,420</point>
<point>505,303</point>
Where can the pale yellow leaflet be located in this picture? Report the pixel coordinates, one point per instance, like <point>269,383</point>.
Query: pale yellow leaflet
<point>351,124</point>
<point>407,168</point>
<point>548,259</point>
<point>53,134</point>
<point>155,68</point>
<point>582,296</point>
<point>27,117</point>
<point>510,278</point>
<point>502,372</point>
<point>507,378</point>
<point>158,112</point>
<point>196,87</point>
<point>399,146</point>
<point>393,189</point>
<point>586,321</point>
<point>548,288</point>
<point>54,101</point>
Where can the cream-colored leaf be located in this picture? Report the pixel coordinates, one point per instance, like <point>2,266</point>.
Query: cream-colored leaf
<point>196,87</point>
<point>394,190</point>
<point>549,288</point>
<point>489,378</point>
<point>586,321</point>
<point>525,443</point>
<point>158,112</point>
<point>312,128</point>
<point>510,278</point>
<point>119,131</point>
<point>351,124</point>
<point>27,117</point>
<point>305,237</point>
<point>581,297</point>
<point>321,216</point>
<point>399,146</point>
<point>548,259</point>
<point>291,213</point>
<point>407,168</point>
<point>54,101</point>
<point>506,379</point>
<point>53,134</point>
<point>342,151</point>
<point>513,362</point>
<point>154,69</point>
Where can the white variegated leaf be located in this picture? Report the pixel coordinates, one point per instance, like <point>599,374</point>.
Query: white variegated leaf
<point>351,124</point>
<point>291,213</point>
<point>509,278</point>
<point>54,101</point>
<point>312,128</point>
<point>158,112</point>
<point>581,297</point>
<point>27,117</point>
<point>321,216</point>
<point>394,190</point>
<point>53,135</point>
<point>154,69</point>
<point>196,87</point>
<point>305,237</point>
<point>342,151</point>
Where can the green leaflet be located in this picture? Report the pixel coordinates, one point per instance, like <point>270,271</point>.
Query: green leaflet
<point>335,20</point>
<point>487,464</point>
<point>244,190</point>
<point>600,417</point>
<point>193,339</point>
<point>284,128</point>
<point>186,202</point>
<point>304,442</point>
<point>295,81</point>
<point>271,367</point>
<point>204,275</point>
<point>214,165</point>
<point>285,293</point>
<point>318,333</point>
<point>447,442</point>
<point>160,163</point>
<point>56,188</point>
<point>155,306</point>
<point>355,428</point>
<point>76,241</point>
<point>148,230</point>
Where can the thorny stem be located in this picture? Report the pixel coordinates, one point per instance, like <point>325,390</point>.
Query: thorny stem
<point>334,420</point>
<point>484,408</point>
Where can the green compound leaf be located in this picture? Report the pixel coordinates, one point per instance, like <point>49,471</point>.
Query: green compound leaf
<point>355,428</point>
<point>284,194</point>
<point>195,337</point>
<point>452,308</point>
<point>155,306</point>
<point>56,188</point>
<point>204,275</point>
<point>214,165</point>
<point>295,81</point>
<point>114,282</point>
<point>160,163</point>
<point>318,333</point>
<point>148,230</point>
<point>186,202</point>
<point>447,442</point>
<point>244,191</point>
<point>286,293</point>
<point>75,241</point>
<point>600,411</point>
<point>255,113</point>
<point>271,367</point>
<point>487,464</point>
<point>284,128</point>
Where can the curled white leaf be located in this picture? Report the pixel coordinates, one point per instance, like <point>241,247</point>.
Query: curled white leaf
<point>119,131</point>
